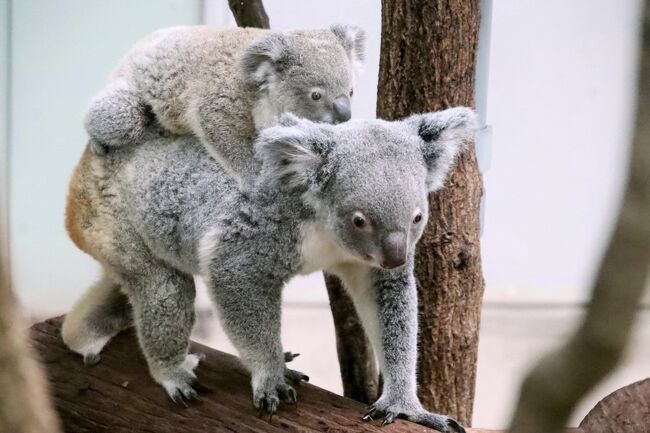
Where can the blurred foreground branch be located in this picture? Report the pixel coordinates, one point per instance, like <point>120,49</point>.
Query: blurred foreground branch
<point>24,402</point>
<point>552,389</point>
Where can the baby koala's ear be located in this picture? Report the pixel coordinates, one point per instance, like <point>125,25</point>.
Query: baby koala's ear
<point>293,151</point>
<point>353,39</point>
<point>444,135</point>
<point>265,58</point>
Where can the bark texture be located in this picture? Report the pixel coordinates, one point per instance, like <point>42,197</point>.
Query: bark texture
<point>427,63</point>
<point>24,402</point>
<point>249,13</point>
<point>356,359</point>
<point>551,390</point>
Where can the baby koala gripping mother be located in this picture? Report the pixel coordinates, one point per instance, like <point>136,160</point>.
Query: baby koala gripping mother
<point>349,198</point>
<point>223,85</point>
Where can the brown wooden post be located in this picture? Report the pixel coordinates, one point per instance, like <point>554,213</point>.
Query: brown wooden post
<point>427,63</point>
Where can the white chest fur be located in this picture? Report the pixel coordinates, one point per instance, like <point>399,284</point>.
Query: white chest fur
<point>319,250</point>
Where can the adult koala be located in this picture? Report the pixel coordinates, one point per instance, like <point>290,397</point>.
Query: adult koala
<point>224,85</point>
<point>349,198</point>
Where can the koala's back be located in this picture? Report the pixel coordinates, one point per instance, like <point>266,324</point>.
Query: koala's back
<point>157,198</point>
<point>173,67</point>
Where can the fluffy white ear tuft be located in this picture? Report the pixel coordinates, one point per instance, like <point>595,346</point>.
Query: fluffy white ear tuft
<point>444,135</point>
<point>353,39</point>
<point>288,153</point>
<point>263,59</point>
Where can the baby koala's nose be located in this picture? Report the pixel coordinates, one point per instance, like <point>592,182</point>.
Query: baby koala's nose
<point>342,111</point>
<point>394,250</point>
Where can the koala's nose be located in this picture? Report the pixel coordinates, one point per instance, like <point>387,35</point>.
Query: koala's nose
<point>342,111</point>
<point>394,250</point>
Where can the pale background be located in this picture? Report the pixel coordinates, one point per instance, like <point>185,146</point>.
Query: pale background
<point>560,86</point>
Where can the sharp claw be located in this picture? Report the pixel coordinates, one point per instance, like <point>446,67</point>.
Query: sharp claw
<point>369,412</point>
<point>305,378</point>
<point>367,418</point>
<point>454,425</point>
<point>388,419</point>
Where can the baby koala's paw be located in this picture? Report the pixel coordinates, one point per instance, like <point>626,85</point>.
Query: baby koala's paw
<point>388,410</point>
<point>268,394</point>
<point>180,381</point>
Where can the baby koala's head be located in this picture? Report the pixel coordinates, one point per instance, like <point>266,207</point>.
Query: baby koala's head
<point>367,181</point>
<point>309,73</point>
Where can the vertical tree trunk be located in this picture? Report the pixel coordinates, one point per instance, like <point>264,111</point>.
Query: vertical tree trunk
<point>356,359</point>
<point>428,56</point>
<point>551,390</point>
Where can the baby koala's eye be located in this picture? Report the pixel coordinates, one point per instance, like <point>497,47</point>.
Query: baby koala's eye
<point>316,96</point>
<point>417,218</point>
<point>359,220</point>
<point>351,92</point>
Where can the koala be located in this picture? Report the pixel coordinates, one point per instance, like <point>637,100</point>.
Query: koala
<point>350,199</point>
<point>224,85</point>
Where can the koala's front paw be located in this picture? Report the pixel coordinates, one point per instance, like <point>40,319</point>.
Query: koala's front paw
<point>268,394</point>
<point>180,381</point>
<point>384,408</point>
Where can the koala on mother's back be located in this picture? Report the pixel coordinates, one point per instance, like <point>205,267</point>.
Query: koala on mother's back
<point>224,85</point>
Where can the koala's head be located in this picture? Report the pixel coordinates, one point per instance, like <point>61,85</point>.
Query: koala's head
<point>309,73</point>
<point>367,181</point>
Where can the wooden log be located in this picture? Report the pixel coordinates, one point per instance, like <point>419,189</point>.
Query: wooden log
<point>118,396</point>
<point>626,410</point>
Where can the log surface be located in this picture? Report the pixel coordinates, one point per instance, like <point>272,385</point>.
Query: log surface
<point>118,396</point>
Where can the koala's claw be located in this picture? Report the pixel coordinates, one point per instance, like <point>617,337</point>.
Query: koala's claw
<point>267,399</point>
<point>389,413</point>
<point>295,376</point>
<point>289,356</point>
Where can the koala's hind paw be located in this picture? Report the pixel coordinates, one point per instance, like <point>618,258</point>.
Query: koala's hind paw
<point>266,399</point>
<point>389,412</point>
<point>295,376</point>
<point>439,422</point>
<point>290,356</point>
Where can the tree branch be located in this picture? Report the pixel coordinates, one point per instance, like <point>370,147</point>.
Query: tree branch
<point>249,13</point>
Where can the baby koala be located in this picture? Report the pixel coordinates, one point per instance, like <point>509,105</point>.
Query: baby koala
<point>350,199</point>
<point>224,85</point>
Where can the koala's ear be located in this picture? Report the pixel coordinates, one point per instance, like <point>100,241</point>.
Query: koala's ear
<point>265,58</point>
<point>353,39</point>
<point>294,151</point>
<point>444,135</point>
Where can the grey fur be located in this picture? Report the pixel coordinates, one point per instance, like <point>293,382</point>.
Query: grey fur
<point>223,85</point>
<point>162,211</point>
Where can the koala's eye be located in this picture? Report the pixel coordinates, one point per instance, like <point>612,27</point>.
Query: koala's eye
<point>351,92</point>
<point>417,219</point>
<point>316,96</point>
<point>359,221</point>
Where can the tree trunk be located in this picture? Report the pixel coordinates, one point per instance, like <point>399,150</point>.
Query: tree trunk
<point>356,359</point>
<point>552,389</point>
<point>249,13</point>
<point>428,57</point>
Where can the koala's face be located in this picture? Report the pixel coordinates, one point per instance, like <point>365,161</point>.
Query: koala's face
<point>368,181</point>
<point>306,73</point>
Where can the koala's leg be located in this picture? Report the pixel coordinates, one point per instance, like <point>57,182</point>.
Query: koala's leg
<point>386,301</point>
<point>250,313</point>
<point>117,116</point>
<point>163,312</point>
<point>225,139</point>
<point>98,316</point>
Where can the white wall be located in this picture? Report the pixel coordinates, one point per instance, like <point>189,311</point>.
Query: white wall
<point>62,52</point>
